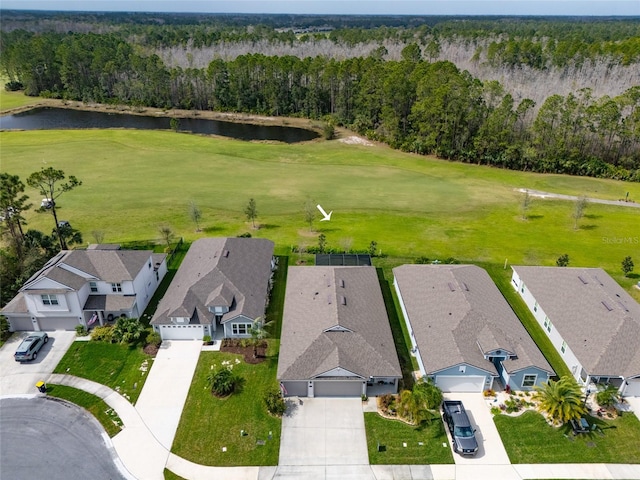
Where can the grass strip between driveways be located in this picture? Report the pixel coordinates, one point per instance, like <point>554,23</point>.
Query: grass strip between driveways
<point>426,444</point>
<point>121,367</point>
<point>107,417</point>
<point>209,424</point>
<point>530,439</point>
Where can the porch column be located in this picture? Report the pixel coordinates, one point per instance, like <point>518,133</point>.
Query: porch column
<point>101,317</point>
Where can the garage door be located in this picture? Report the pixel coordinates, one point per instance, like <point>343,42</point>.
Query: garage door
<point>337,388</point>
<point>633,389</point>
<point>470,383</point>
<point>58,323</point>
<point>19,324</point>
<point>181,332</point>
<point>295,389</point>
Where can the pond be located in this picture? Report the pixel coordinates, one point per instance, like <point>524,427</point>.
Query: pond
<point>63,118</point>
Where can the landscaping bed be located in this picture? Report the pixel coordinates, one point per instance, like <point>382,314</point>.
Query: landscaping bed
<point>243,348</point>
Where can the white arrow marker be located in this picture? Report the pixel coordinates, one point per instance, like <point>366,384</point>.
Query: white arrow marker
<point>327,216</point>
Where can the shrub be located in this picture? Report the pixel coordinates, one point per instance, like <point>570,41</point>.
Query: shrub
<point>275,403</point>
<point>4,327</point>
<point>13,86</point>
<point>128,330</point>
<point>513,405</point>
<point>206,338</point>
<point>495,411</point>
<point>244,235</point>
<point>81,330</point>
<point>224,382</point>
<point>385,401</point>
<point>489,393</point>
<point>154,338</point>
<point>102,334</point>
<point>422,260</point>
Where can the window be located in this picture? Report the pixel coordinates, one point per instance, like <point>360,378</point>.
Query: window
<point>535,307</point>
<point>563,348</point>
<point>529,380</point>
<point>49,299</point>
<point>241,328</point>
<point>547,324</point>
<point>93,286</point>
<point>116,287</point>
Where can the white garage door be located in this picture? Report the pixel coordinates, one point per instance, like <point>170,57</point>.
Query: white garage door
<point>469,383</point>
<point>633,389</point>
<point>337,388</point>
<point>58,323</point>
<point>295,389</point>
<point>181,332</point>
<point>20,324</point>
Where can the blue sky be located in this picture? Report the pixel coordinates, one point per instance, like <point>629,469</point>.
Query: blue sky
<point>377,7</point>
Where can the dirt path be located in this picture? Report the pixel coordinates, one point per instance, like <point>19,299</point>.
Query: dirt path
<point>559,196</point>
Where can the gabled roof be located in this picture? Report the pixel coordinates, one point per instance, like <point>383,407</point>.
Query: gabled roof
<point>597,318</point>
<point>73,268</point>
<point>457,315</point>
<point>232,271</point>
<point>321,298</point>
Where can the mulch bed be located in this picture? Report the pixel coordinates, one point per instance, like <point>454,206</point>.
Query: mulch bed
<point>235,346</point>
<point>151,349</point>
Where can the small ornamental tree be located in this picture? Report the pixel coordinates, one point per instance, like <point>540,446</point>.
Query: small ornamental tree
<point>322,243</point>
<point>195,214</point>
<point>309,213</point>
<point>608,395</point>
<point>563,260</point>
<point>251,212</point>
<point>627,266</point>
<point>128,330</point>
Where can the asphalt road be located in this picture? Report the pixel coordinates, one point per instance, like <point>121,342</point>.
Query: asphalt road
<point>43,438</point>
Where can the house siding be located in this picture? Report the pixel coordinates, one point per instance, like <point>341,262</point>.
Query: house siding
<point>516,378</point>
<point>414,345</point>
<point>537,311</point>
<point>228,327</point>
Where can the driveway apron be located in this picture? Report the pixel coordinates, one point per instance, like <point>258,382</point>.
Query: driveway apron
<point>323,432</point>
<point>164,393</point>
<point>21,377</point>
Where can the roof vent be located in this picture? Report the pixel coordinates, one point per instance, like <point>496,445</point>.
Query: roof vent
<point>329,299</point>
<point>607,306</point>
<point>599,281</point>
<point>226,253</point>
<point>451,287</point>
<point>342,282</point>
<point>623,306</point>
<point>465,286</point>
<point>343,300</point>
<point>582,280</point>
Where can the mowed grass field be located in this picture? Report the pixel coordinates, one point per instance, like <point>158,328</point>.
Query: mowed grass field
<point>9,100</point>
<point>135,181</point>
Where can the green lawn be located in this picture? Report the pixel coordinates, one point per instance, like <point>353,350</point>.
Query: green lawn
<point>9,100</point>
<point>209,423</point>
<point>529,439</point>
<point>107,417</point>
<point>393,434</point>
<point>117,366</point>
<point>411,205</point>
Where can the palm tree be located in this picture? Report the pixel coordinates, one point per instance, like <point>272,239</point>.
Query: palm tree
<point>258,333</point>
<point>562,400</point>
<point>608,395</point>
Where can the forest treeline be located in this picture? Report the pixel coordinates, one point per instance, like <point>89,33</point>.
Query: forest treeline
<point>411,103</point>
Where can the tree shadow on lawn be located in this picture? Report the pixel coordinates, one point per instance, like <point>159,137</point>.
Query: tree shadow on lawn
<point>213,229</point>
<point>268,226</point>
<point>534,217</point>
<point>587,227</point>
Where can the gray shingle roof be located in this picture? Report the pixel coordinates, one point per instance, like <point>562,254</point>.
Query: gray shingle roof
<point>597,318</point>
<point>107,265</point>
<point>457,314</point>
<point>314,304</point>
<point>231,270</point>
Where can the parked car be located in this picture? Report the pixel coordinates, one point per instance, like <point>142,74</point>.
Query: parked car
<point>64,224</point>
<point>30,346</point>
<point>462,434</point>
<point>47,203</point>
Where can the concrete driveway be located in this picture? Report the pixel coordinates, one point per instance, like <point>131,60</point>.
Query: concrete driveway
<point>490,448</point>
<point>20,378</point>
<point>162,398</point>
<point>323,432</point>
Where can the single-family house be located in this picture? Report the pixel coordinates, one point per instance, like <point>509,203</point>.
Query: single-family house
<point>464,334</point>
<point>591,321</point>
<point>87,287</point>
<point>220,289</point>
<point>336,339</point>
